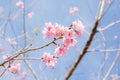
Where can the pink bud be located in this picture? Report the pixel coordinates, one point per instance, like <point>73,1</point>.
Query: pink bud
<point>30,15</point>
<point>15,68</point>
<point>6,57</point>
<point>12,41</point>
<point>20,4</point>
<point>73,10</point>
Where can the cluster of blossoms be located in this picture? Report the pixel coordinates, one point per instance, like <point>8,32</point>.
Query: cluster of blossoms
<point>15,68</point>
<point>66,34</point>
<point>47,57</point>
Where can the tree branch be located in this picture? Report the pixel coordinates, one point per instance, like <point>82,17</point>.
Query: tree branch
<point>112,65</point>
<point>27,49</point>
<point>88,43</point>
<point>108,26</point>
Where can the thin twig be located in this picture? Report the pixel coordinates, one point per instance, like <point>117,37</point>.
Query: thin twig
<point>112,65</point>
<point>110,25</point>
<point>31,69</point>
<point>27,58</point>
<point>104,58</point>
<point>27,49</point>
<point>102,50</point>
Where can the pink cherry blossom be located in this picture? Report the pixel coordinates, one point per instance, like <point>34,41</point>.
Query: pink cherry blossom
<point>69,33</point>
<point>78,27</point>
<point>12,41</point>
<point>45,57</point>
<point>52,63</point>
<point>57,30</point>
<point>15,68</point>
<point>6,57</point>
<point>69,41</point>
<point>60,51</point>
<point>20,4</point>
<point>48,30</point>
<point>49,59</point>
<point>30,14</point>
<point>73,10</point>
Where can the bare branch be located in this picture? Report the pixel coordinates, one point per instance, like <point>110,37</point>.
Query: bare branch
<point>27,58</point>
<point>27,49</point>
<point>112,65</point>
<point>102,50</point>
<point>110,25</point>
<point>88,43</point>
<point>31,69</point>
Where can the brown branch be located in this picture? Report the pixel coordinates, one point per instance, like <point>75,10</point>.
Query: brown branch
<point>27,49</point>
<point>88,43</point>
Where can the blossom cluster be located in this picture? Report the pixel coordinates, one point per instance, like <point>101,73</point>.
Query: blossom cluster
<point>47,57</point>
<point>15,67</point>
<point>67,36</point>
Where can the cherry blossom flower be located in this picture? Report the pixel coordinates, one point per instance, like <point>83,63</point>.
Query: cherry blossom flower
<point>6,57</point>
<point>52,63</point>
<point>78,27</point>
<point>73,10</point>
<point>20,4</point>
<point>30,14</point>
<point>12,41</point>
<point>69,33</point>
<point>69,41</point>
<point>47,30</point>
<point>45,57</point>
<point>57,30</point>
<point>15,68</point>
<point>60,51</point>
<point>49,59</point>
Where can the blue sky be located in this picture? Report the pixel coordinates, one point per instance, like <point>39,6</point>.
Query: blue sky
<point>57,11</point>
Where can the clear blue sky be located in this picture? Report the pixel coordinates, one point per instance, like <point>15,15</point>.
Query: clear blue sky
<point>57,11</point>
